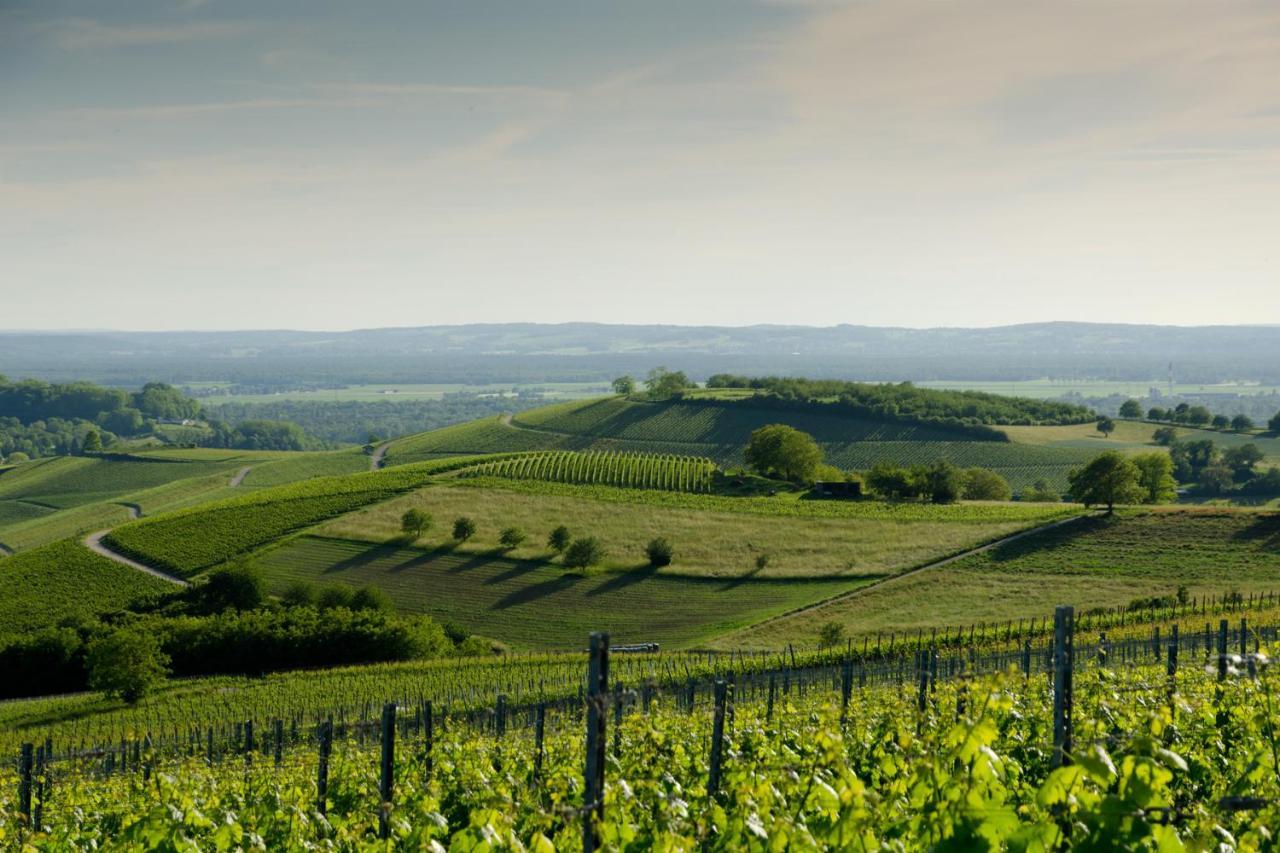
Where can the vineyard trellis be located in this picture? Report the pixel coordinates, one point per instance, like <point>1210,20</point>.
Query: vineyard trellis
<point>663,472</point>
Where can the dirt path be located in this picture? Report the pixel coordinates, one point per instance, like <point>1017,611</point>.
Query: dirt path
<point>94,543</point>
<point>240,475</point>
<point>936,564</point>
<point>505,420</point>
<point>375,461</point>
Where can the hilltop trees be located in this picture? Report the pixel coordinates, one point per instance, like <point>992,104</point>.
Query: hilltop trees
<point>662,384</point>
<point>1274,423</point>
<point>1242,423</point>
<point>1131,409</point>
<point>1106,426</point>
<point>783,451</point>
<point>624,385</point>
<point>1110,479</point>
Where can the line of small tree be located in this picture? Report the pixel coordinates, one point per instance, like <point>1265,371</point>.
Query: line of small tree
<point>574,552</point>
<point>1196,416</point>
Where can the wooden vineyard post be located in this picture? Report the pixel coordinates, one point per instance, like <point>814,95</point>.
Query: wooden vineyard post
<point>500,716</point>
<point>539,734</point>
<point>1244,636</point>
<point>428,726</point>
<point>248,743</point>
<point>386,782</point>
<point>278,737</point>
<point>1222,650</point>
<point>773,689</point>
<point>1063,662</point>
<point>717,739</point>
<point>1026,659</point>
<point>209,747</point>
<point>846,690</point>
<point>322,769</point>
<point>597,694</point>
<point>43,755</point>
<point>25,760</point>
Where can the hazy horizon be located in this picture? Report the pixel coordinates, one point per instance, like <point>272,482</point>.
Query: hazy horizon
<point>225,165</point>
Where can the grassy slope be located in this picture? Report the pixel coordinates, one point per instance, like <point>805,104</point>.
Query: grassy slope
<point>711,536</point>
<point>1135,436</point>
<point>721,432</point>
<point>1100,563</point>
<point>64,580</point>
<point>533,605</point>
<point>303,466</point>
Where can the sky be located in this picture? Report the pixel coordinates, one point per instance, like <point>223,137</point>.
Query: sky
<point>237,164</point>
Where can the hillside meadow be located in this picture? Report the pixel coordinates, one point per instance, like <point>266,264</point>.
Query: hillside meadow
<point>712,537</point>
<point>1098,561</point>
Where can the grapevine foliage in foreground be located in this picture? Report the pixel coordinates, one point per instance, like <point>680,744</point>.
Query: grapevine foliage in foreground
<point>973,771</point>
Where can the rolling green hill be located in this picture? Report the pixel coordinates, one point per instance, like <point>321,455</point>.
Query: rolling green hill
<point>719,430</point>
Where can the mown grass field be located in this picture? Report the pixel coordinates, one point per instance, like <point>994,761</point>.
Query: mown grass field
<point>711,536</point>
<point>721,432</point>
<point>532,605</point>
<point>1096,562</point>
<point>44,586</point>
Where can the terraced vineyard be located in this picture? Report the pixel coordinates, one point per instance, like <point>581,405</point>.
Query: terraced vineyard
<point>188,541</point>
<point>42,587</point>
<point>627,470</point>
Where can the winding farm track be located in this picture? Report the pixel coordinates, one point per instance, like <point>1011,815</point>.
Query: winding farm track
<point>936,564</point>
<point>375,461</point>
<point>94,543</point>
<point>240,475</point>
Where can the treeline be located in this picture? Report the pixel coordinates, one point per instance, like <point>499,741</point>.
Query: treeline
<point>1196,416</point>
<point>226,625</point>
<point>906,402</point>
<point>1208,469</point>
<point>355,421</point>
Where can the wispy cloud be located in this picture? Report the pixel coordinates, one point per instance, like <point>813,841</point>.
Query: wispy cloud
<point>84,33</point>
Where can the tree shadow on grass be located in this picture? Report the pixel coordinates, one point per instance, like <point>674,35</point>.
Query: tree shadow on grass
<point>621,580</point>
<point>1046,541</point>
<point>1265,531</point>
<point>363,558</point>
<point>534,592</point>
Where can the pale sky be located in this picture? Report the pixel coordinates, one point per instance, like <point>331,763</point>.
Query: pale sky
<point>333,165</point>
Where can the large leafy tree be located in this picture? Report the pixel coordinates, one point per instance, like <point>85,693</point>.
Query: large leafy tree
<point>1110,479</point>
<point>1156,477</point>
<point>783,451</point>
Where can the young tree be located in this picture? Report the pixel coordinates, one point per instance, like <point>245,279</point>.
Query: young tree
<point>1131,409</point>
<point>1165,436</point>
<point>1221,422</point>
<point>1199,415</point>
<point>830,635</point>
<point>92,442</point>
<point>783,451</point>
<point>414,523</point>
<point>126,663</point>
<point>583,552</point>
<point>1106,426</point>
<point>1156,477</point>
<point>511,537</point>
<point>1242,423</point>
<point>370,598</point>
<point>559,539</point>
<point>236,587</point>
<point>659,552</point>
<point>1110,479</point>
<point>624,385</point>
<point>983,484</point>
<point>1155,413</point>
<point>463,528</point>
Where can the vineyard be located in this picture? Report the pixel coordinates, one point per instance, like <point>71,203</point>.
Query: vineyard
<point>625,470</point>
<point>1136,738</point>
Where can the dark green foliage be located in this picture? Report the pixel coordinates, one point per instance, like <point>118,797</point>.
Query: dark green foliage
<point>511,537</point>
<point>1274,424</point>
<point>1110,479</point>
<point>1131,409</point>
<point>782,451</point>
<point>1190,458</point>
<point>661,384</point>
<point>1156,477</point>
<point>944,482</point>
<point>1221,422</point>
<point>257,435</point>
<point>238,587</point>
<point>1040,492</point>
<point>1242,423</point>
<point>1242,460</point>
<point>463,528</point>
<point>583,552</point>
<point>370,598</point>
<point>1106,426</point>
<point>1165,436</point>
<point>982,484</point>
<point>830,635</point>
<point>659,552</point>
<point>298,594</point>
<point>904,401</point>
<point>558,539</point>
<point>127,662</point>
<point>624,385</point>
<point>415,522</point>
